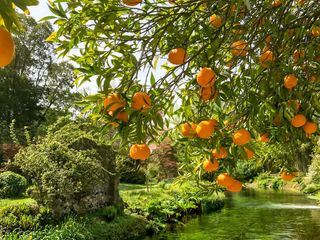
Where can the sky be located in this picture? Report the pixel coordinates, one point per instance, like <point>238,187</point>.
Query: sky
<point>40,11</point>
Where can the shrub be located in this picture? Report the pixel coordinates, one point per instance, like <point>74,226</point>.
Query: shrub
<point>12,184</point>
<point>24,217</point>
<point>314,168</point>
<point>72,170</point>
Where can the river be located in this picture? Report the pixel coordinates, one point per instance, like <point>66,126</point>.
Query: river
<point>258,215</point>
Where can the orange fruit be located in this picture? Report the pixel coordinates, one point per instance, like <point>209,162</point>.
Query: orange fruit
<point>141,101</point>
<point>276,3</point>
<point>264,138</point>
<point>298,54</point>
<point>298,120</point>
<point>206,128</point>
<point>7,47</point>
<point>122,116</point>
<point>140,151</point>
<point>287,176</point>
<point>241,137</point>
<point>268,39</point>
<point>300,2</point>
<point>220,153</point>
<point>290,81</point>
<point>236,186</point>
<point>239,48</point>
<point>206,93</point>
<point>113,102</point>
<point>315,31</point>
<point>266,58</point>
<point>310,127</point>
<point>216,20</point>
<point>114,124</point>
<point>177,56</point>
<point>225,180</point>
<point>209,166</point>
<point>250,154</point>
<point>188,129</point>
<point>131,2</point>
<point>206,77</point>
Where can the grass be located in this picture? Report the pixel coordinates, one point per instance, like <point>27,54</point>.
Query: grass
<point>18,201</point>
<point>145,212</point>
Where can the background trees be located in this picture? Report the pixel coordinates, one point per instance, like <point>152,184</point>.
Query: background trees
<point>35,88</point>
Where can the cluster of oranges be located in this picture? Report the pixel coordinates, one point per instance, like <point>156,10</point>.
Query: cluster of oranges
<point>7,47</point>
<point>299,120</point>
<point>115,106</point>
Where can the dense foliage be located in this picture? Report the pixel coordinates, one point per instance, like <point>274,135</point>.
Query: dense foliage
<point>24,217</point>
<point>12,184</point>
<point>260,86</point>
<point>71,169</point>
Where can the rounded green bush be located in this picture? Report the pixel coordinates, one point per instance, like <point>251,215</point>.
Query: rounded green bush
<point>12,184</point>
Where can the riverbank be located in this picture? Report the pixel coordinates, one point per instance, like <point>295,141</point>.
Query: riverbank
<point>297,185</point>
<point>146,212</point>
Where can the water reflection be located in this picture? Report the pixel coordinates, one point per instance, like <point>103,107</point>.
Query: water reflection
<point>256,215</point>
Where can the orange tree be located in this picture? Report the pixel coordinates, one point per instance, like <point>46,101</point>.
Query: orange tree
<point>228,73</point>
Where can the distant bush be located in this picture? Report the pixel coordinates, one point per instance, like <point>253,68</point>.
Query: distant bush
<point>72,171</point>
<point>314,168</point>
<point>12,184</point>
<point>23,217</point>
<point>267,181</point>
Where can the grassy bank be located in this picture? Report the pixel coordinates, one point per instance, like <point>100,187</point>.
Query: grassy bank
<point>147,211</point>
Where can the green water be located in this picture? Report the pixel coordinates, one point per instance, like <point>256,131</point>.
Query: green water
<point>255,215</point>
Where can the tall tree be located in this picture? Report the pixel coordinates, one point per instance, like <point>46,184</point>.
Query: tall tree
<point>35,85</point>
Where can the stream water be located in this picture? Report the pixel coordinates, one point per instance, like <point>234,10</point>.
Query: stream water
<point>255,215</point>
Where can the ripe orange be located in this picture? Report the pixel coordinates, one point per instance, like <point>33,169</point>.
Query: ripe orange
<point>266,58</point>
<point>298,54</point>
<point>310,127</point>
<point>298,120</point>
<point>241,137</point>
<point>264,138</point>
<point>276,3</point>
<point>141,101</point>
<point>290,81</point>
<point>113,102</point>
<point>239,48</point>
<point>188,129</point>
<point>235,187</point>
<point>7,47</point>
<point>287,176</point>
<point>209,166</point>
<point>225,180</point>
<point>122,116</point>
<point>250,154</point>
<point>220,153</point>
<point>131,2</point>
<point>206,77</point>
<point>177,56</point>
<point>206,128</point>
<point>216,20</point>
<point>315,31</point>
<point>140,151</point>
<point>206,93</point>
